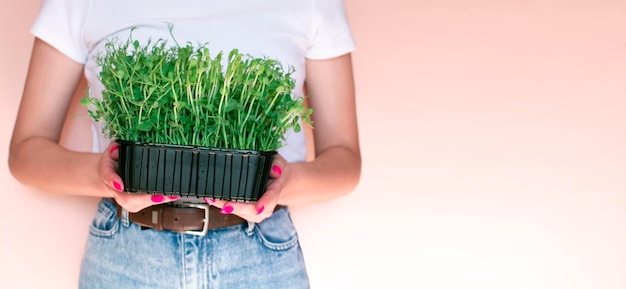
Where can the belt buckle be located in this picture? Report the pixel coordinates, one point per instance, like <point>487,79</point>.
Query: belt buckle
<point>205,226</point>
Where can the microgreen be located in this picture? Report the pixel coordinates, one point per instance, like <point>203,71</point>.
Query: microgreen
<point>183,95</point>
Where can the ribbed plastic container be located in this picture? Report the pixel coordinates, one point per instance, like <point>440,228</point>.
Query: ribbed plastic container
<point>188,171</point>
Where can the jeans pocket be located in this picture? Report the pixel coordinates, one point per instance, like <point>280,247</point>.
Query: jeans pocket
<point>105,223</point>
<point>277,232</point>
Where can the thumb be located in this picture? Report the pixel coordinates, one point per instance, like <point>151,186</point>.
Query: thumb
<point>108,168</point>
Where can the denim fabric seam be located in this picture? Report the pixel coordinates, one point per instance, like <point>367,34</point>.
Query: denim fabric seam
<point>292,242</point>
<point>106,210</point>
<point>276,246</point>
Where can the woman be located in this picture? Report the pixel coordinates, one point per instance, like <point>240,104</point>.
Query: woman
<point>249,245</point>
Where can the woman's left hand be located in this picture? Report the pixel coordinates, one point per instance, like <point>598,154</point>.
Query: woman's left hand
<point>264,207</point>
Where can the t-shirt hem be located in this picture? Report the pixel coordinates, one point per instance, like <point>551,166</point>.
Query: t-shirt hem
<point>331,53</point>
<point>58,43</point>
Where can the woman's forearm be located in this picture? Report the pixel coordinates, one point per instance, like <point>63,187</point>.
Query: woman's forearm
<point>45,165</point>
<point>334,173</point>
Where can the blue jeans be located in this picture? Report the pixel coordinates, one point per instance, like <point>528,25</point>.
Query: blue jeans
<point>121,255</point>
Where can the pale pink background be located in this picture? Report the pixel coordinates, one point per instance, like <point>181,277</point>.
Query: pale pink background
<point>494,146</point>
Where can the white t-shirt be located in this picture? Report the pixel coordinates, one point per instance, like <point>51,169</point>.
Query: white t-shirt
<point>286,30</point>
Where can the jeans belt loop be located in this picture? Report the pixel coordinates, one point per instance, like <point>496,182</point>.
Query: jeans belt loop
<point>124,218</point>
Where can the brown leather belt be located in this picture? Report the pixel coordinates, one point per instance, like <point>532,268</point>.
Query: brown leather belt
<point>188,218</point>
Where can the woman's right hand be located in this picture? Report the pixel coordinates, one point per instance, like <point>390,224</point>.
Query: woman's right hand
<point>131,202</point>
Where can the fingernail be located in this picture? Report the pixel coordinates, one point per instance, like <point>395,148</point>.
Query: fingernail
<point>117,186</point>
<point>277,170</point>
<point>157,198</point>
<point>260,210</point>
<point>114,148</point>
<point>212,201</point>
<point>227,210</point>
<point>173,197</point>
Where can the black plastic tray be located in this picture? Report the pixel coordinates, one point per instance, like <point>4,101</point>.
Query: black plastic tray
<point>189,171</point>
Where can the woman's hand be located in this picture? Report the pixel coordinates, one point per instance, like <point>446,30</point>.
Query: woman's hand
<point>131,202</point>
<point>264,207</point>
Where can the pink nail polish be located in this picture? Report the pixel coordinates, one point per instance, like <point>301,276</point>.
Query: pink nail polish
<point>157,198</point>
<point>114,148</point>
<point>260,210</point>
<point>277,170</point>
<point>117,186</point>
<point>227,210</point>
<point>173,197</point>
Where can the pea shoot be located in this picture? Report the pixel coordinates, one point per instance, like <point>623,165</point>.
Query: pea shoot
<point>184,95</point>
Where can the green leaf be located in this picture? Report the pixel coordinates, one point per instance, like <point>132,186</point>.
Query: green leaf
<point>85,101</point>
<point>144,126</point>
<point>232,104</point>
<point>181,105</point>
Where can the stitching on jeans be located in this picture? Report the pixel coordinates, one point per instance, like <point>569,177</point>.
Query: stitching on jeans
<point>292,242</point>
<point>108,215</point>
